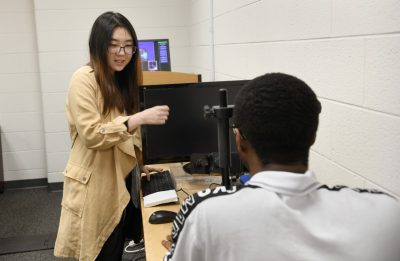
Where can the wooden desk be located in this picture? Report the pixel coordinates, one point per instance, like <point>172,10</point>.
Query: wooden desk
<point>155,233</point>
<point>161,77</point>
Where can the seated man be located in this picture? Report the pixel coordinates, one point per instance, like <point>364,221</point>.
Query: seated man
<point>283,212</point>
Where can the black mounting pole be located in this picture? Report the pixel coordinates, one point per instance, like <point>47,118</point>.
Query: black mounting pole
<point>223,112</point>
<point>224,149</point>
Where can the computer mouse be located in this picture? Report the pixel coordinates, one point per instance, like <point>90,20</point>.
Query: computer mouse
<point>162,216</point>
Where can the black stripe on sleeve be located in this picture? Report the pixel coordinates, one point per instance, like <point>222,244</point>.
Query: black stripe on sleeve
<point>190,204</point>
<point>359,190</point>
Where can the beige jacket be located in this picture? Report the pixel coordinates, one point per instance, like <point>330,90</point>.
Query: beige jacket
<point>102,154</point>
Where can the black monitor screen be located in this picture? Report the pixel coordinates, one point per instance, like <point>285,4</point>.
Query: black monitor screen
<point>186,131</point>
<point>155,55</point>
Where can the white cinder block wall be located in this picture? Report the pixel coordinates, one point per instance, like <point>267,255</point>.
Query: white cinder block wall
<point>201,38</point>
<point>348,52</point>
<point>20,98</point>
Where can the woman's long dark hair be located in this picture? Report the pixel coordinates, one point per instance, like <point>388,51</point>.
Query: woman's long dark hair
<point>119,89</point>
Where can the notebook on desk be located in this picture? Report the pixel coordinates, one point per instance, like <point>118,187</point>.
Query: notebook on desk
<point>160,189</point>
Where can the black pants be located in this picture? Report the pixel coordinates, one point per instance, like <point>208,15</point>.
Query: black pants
<point>129,227</point>
<point>133,220</point>
<point>114,246</point>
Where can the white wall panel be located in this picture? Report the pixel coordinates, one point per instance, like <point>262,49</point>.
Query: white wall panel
<point>13,6</point>
<point>168,16</point>
<point>18,63</point>
<point>24,174</point>
<point>241,25</point>
<point>56,81</point>
<point>226,62</point>
<point>22,21</point>
<point>54,102</point>
<point>65,20</point>
<point>56,122</point>
<point>367,143</point>
<point>179,57</point>
<point>57,142</point>
<point>323,143</point>
<point>224,6</point>
<point>274,20</point>
<point>200,57</point>
<point>57,161</point>
<point>199,11</point>
<point>19,82</point>
<point>200,34</point>
<point>292,19</point>
<point>106,4</point>
<point>359,17</point>
<point>27,121</point>
<point>20,102</point>
<point>261,58</point>
<point>17,43</point>
<point>382,77</point>
<point>62,61</point>
<point>20,99</point>
<point>178,36</point>
<point>59,41</point>
<point>330,173</point>
<point>333,68</point>
<point>53,177</point>
<point>23,140</point>
<point>24,160</point>
<point>224,77</point>
<point>200,39</point>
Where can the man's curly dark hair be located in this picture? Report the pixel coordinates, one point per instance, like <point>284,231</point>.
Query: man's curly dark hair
<point>278,115</point>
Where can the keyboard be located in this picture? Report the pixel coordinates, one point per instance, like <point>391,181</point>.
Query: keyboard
<point>160,189</point>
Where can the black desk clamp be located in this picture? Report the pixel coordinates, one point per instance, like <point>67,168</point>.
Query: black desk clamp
<point>222,113</point>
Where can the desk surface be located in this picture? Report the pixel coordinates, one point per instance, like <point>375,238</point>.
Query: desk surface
<point>155,233</point>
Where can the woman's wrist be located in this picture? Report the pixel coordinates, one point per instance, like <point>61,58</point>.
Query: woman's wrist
<point>134,121</point>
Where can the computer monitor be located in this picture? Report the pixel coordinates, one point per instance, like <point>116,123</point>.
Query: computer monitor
<point>186,131</point>
<point>155,55</point>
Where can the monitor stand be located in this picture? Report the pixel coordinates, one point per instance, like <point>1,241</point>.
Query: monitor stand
<point>222,113</point>
<point>199,164</point>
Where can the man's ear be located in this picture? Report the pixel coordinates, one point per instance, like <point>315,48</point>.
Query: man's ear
<point>241,144</point>
<point>246,152</point>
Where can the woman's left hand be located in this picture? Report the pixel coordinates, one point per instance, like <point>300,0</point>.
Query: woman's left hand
<point>146,170</point>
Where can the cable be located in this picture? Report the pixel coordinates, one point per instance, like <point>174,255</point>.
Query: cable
<point>214,184</point>
<point>181,189</point>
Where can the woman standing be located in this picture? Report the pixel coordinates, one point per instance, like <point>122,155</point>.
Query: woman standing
<point>104,122</point>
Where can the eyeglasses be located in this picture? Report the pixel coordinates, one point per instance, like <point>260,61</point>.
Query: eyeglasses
<point>116,49</point>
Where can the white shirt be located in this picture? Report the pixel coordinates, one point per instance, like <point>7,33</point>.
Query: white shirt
<point>287,216</point>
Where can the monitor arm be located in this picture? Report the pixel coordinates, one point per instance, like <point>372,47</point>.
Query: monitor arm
<point>222,113</point>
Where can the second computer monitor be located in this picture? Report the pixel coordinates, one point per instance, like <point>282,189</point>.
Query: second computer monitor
<point>154,55</point>
<point>186,132</point>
